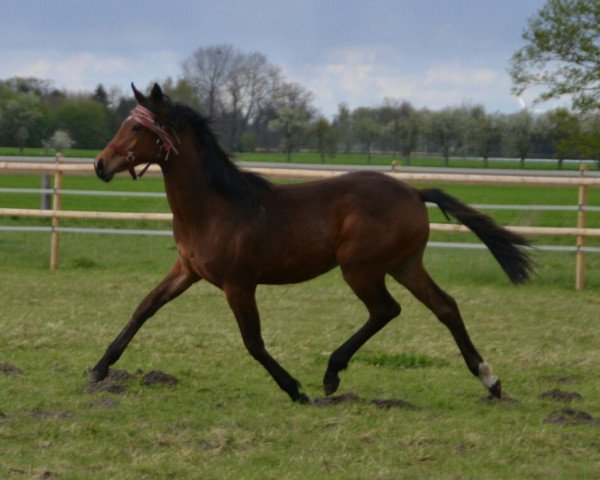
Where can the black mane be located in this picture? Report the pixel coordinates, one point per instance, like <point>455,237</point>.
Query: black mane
<point>219,170</point>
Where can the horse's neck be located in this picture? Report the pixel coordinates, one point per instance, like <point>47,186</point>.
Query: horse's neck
<point>184,183</point>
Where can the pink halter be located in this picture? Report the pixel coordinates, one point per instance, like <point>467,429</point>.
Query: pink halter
<point>145,117</point>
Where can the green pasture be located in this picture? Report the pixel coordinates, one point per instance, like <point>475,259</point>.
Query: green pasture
<point>225,418</point>
<point>408,406</point>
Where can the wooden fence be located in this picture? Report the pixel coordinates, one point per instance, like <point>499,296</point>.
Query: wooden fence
<point>58,169</point>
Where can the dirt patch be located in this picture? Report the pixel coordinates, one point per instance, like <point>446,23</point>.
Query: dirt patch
<point>44,474</point>
<point>52,414</point>
<point>506,400</point>
<point>8,369</point>
<point>352,397</point>
<point>336,399</point>
<point>156,377</point>
<point>562,379</point>
<point>113,383</point>
<point>105,402</point>
<point>560,395</point>
<point>392,403</point>
<point>106,385</point>
<point>117,380</point>
<point>570,416</point>
<point>120,376</point>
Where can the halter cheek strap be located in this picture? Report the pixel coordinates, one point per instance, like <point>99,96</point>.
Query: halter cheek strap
<point>165,142</point>
<point>146,118</point>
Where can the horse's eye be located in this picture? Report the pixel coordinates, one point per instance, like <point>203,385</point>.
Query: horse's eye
<point>137,127</point>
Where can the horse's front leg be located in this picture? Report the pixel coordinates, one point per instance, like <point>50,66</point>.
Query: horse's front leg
<point>243,303</point>
<point>176,282</point>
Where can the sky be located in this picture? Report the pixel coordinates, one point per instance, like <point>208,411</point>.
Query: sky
<point>432,53</point>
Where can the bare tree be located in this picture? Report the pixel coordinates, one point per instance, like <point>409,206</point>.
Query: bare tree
<point>208,70</point>
<point>251,82</point>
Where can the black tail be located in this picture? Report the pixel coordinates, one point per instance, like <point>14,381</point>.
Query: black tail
<point>502,243</point>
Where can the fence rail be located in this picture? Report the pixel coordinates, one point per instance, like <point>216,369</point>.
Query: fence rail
<point>580,232</point>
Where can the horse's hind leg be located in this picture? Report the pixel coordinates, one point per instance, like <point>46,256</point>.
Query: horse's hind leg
<point>416,279</point>
<point>382,308</point>
<point>176,282</point>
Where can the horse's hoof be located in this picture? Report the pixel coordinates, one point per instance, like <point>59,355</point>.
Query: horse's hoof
<point>496,389</point>
<point>96,376</point>
<point>303,399</point>
<point>330,385</point>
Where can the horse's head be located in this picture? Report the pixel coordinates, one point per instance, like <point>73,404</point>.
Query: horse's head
<point>144,137</point>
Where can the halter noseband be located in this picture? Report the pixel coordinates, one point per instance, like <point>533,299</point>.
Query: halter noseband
<point>165,142</point>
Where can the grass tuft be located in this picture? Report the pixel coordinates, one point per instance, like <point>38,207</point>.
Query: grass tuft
<point>402,360</point>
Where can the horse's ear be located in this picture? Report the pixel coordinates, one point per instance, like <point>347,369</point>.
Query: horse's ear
<point>156,95</point>
<point>139,96</point>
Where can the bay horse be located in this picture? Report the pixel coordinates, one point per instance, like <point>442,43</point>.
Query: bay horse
<point>237,230</point>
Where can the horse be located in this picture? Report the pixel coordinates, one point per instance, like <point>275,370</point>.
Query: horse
<point>236,230</point>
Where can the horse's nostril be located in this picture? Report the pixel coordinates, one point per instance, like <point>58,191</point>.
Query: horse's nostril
<point>99,165</point>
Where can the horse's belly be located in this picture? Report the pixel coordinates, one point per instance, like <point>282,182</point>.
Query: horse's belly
<point>294,268</point>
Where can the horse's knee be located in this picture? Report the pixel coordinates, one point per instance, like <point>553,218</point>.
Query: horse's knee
<point>386,312</point>
<point>255,346</point>
<point>448,312</point>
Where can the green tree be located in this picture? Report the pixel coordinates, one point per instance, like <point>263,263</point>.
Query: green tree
<point>85,120</point>
<point>562,54</point>
<point>484,133</point>
<point>24,119</point>
<point>589,139</point>
<point>100,95</point>
<point>367,129</point>
<point>325,137</point>
<point>404,128</point>
<point>446,132</point>
<point>565,133</point>
<point>342,124</point>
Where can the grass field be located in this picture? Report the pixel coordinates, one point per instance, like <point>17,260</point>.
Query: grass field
<point>225,418</point>
<point>408,407</point>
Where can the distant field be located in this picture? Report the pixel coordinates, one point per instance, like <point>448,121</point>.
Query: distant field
<point>339,159</point>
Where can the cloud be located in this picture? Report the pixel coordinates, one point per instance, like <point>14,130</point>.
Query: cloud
<point>84,70</point>
<point>360,76</point>
<point>364,76</point>
<point>460,76</point>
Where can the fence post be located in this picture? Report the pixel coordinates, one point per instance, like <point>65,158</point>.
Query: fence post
<point>581,223</point>
<point>45,194</point>
<point>55,236</point>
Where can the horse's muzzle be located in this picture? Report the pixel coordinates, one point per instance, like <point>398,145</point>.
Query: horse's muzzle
<point>101,172</point>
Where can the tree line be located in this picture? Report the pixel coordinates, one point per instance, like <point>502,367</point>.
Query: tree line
<point>253,107</point>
